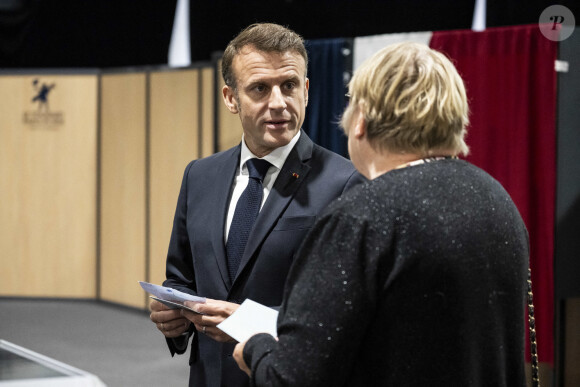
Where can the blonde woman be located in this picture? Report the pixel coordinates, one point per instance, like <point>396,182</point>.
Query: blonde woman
<point>416,278</point>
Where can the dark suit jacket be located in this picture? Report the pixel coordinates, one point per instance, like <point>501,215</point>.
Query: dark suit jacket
<point>196,263</point>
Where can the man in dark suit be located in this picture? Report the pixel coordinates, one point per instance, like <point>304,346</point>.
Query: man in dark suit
<point>264,69</point>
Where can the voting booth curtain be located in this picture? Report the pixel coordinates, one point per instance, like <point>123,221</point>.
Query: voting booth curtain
<point>511,86</point>
<point>326,98</point>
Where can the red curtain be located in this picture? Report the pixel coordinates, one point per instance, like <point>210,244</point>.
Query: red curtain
<point>511,86</point>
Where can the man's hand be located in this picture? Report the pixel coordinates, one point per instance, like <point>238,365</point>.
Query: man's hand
<point>169,321</point>
<point>239,358</point>
<point>214,312</point>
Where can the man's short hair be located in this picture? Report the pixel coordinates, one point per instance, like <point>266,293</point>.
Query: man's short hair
<point>413,100</point>
<point>265,37</point>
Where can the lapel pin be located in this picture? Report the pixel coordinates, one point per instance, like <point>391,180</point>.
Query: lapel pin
<point>295,175</point>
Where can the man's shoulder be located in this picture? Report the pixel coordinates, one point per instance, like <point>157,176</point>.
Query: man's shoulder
<point>320,153</point>
<point>214,159</point>
<point>211,166</point>
<point>332,168</point>
<point>222,155</point>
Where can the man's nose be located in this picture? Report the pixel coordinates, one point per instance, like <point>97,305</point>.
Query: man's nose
<point>277,101</point>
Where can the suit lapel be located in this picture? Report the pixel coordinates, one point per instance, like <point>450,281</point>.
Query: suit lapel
<point>222,192</point>
<point>292,174</point>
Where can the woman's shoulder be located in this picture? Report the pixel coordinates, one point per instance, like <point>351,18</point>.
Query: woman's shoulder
<point>360,201</point>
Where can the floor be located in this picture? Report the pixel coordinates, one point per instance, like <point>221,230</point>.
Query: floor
<point>119,345</point>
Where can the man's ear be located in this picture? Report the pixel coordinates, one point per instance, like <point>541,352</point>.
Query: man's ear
<point>306,86</point>
<point>230,99</point>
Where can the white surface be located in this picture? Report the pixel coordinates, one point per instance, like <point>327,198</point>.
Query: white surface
<point>179,48</point>
<point>479,11</point>
<point>71,376</point>
<point>250,318</point>
<point>367,46</point>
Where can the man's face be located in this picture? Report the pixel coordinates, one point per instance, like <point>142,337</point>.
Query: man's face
<point>271,97</point>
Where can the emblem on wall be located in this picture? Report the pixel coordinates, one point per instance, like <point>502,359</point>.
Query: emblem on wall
<point>42,115</point>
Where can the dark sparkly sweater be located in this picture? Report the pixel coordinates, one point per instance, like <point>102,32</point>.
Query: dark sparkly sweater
<point>417,278</point>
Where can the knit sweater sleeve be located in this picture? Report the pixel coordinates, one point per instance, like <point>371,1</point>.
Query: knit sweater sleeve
<point>330,296</point>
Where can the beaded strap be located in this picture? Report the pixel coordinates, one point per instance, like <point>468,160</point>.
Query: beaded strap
<point>532,325</point>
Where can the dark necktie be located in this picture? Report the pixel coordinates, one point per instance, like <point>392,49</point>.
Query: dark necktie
<point>247,210</point>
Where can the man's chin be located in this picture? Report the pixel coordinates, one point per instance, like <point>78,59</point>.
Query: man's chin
<point>279,138</point>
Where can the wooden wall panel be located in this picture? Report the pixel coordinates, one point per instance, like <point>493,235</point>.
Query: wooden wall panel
<point>50,167</point>
<point>229,125</point>
<point>48,185</point>
<point>123,185</point>
<point>207,112</point>
<point>174,134</point>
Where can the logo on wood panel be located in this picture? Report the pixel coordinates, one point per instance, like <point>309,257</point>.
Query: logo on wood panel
<point>42,115</point>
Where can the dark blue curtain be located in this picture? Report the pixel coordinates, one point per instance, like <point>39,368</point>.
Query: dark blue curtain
<point>329,60</point>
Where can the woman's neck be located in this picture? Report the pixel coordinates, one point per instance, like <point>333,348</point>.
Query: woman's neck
<point>385,161</point>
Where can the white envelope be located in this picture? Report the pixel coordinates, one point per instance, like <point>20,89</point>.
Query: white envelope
<point>250,318</point>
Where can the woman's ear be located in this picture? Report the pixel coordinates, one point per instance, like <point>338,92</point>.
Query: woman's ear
<point>360,128</point>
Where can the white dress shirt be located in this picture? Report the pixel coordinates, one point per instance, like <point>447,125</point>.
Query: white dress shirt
<point>277,158</point>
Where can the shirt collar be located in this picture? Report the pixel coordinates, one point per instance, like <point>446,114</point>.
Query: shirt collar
<point>277,157</point>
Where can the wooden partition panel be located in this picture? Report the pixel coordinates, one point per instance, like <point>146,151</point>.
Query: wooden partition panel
<point>123,188</point>
<point>207,111</point>
<point>48,145</point>
<point>174,142</point>
<point>229,125</point>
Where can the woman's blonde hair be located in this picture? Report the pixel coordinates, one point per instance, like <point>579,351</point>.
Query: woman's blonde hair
<point>413,100</point>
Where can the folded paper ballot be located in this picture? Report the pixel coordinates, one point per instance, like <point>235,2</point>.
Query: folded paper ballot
<point>250,318</point>
<point>172,298</point>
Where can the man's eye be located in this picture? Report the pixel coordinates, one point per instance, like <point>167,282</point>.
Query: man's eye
<point>290,85</point>
<point>259,88</point>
